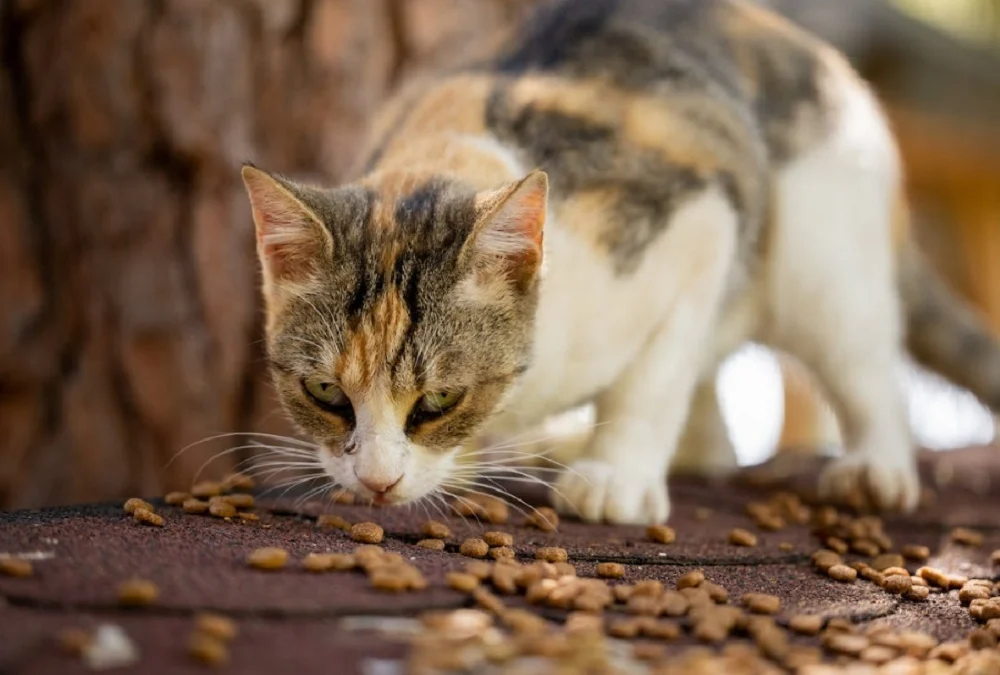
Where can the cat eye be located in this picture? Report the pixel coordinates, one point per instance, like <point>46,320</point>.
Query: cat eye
<point>327,395</point>
<point>433,405</point>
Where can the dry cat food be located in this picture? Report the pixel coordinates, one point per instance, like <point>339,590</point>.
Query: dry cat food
<point>137,593</point>
<point>995,557</point>
<point>543,518</point>
<point>368,533</point>
<point>741,537</point>
<point>435,529</point>
<point>206,489</point>
<point>334,521</point>
<point>661,534</point>
<point>806,624</point>
<point>692,579</point>
<point>147,517</point>
<point>208,650</point>
<point>195,506</point>
<point>268,558</point>
<point>915,552</point>
<point>474,548</point>
<point>239,500</point>
<point>239,482</point>
<point>135,503</point>
<point>318,562</point>
<point>761,603</point>
<point>502,553</point>
<point>74,641</point>
<point>344,497</point>
<point>552,554</point>
<point>15,567</point>
<point>176,498</point>
<point>610,570</point>
<point>842,573</point>
<point>431,544</point>
<point>216,626</point>
<point>498,539</point>
<point>220,508</point>
<point>462,581</point>
<point>966,537</point>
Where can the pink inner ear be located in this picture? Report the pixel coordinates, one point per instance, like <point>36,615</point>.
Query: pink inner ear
<point>515,229</point>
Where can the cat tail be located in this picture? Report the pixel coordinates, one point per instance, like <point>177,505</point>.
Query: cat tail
<point>944,332</point>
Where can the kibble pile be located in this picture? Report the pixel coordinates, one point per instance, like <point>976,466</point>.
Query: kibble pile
<point>763,581</point>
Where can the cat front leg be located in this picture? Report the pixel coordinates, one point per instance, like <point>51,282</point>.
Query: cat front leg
<point>641,416</point>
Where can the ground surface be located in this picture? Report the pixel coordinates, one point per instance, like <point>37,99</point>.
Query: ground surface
<point>295,621</point>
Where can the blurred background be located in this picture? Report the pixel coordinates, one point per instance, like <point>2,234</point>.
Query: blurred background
<point>129,316</point>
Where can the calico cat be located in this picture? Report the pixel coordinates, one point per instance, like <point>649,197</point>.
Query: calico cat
<point>601,212</point>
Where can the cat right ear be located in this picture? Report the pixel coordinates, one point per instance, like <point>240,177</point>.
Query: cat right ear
<point>291,238</point>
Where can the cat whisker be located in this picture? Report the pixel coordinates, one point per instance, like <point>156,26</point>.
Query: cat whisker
<point>277,437</point>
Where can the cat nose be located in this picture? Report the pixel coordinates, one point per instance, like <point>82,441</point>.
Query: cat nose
<point>379,484</point>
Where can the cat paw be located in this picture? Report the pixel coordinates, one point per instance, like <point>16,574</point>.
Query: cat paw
<point>886,485</point>
<point>597,492</point>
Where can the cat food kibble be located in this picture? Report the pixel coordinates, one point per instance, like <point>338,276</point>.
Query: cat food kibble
<point>333,521</point>
<point>761,603</point>
<point>552,554</point>
<point>147,517</point>
<point>239,482</point>
<point>661,534</point>
<point>137,593</point>
<point>216,626</point>
<point>239,500</point>
<point>842,573</point>
<point>934,576</point>
<point>344,497</point>
<point>247,516</point>
<point>218,507</point>
<point>388,579</point>
<point>462,581</point>
<point>195,506</point>
<point>502,553</point>
<point>610,570</point>
<point>436,530</point>
<point>915,552</point>
<point>897,584</point>
<point>206,490</point>
<point>318,562</point>
<point>474,548</point>
<point>886,560</point>
<point>543,518</point>
<point>74,641</point>
<point>15,567</point>
<point>368,533</point>
<point>498,539</point>
<point>692,579</point>
<point>966,537</point>
<point>741,537</point>
<point>176,498</point>
<point>806,624</point>
<point>268,558</point>
<point>133,504</point>
<point>208,650</point>
<point>431,544</point>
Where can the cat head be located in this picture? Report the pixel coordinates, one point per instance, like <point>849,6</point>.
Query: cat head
<point>399,312</point>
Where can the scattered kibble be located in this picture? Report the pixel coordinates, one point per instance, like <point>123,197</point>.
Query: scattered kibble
<point>269,558</point>
<point>216,626</point>
<point>239,500</point>
<point>74,641</point>
<point>137,593</point>
<point>208,650</point>
<point>806,624</point>
<point>388,579</point>
<point>842,573</point>
<point>176,498</point>
<point>238,482</point>
<point>741,537</point>
<point>134,504</point>
<point>436,530</point>
<point>368,533</point>
<point>195,506</point>
<point>966,537</point>
<point>502,553</point>
<point>218,507</point>
<point>610,570</point>
<point>543,518</point>
<point>552,554</point>
<point>333,521</point>
<point>247,516</point>
<point>498,539</point>
<point>692,579</point>
<point>147,517</point>
<point>343,497</point>
<point>206,490</point>
<point>915,552</point>
<point>661,534</point>
<point>887,560</point>
<point>318,562</point>
<point>934,576</point>
<point>761,603</point>
<point>995,557</point>
<point>897,584</point>
<point>15,567</point>
<point>431,544</point>
<point>474,548</point>
<point>462,581</point>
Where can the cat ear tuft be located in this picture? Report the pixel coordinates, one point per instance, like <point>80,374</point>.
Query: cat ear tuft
<point>510,226</point>
<point>291,238</point>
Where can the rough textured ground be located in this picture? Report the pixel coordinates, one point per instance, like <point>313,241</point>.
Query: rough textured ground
<point>295,621</point>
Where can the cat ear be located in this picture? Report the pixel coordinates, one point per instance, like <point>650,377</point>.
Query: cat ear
<point>291,238</point>
<point>510,225</point>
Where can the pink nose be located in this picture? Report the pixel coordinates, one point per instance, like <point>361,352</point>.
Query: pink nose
<point>380,485</point>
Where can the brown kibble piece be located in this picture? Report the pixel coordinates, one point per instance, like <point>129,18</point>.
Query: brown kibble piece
<point>248,516</point>
<point>488,601</point>
<point>982,638</point>
<point>806,624</point>
<point>842,573</point>
<point>786,546</point>
<point>268,558</point>
<point>218,507</point>
<point>741,537</point>
<point>966,537</point>
<point>970,592</point>
<point>610,570</point>
<point>15,567</point>
<point>498,539</point>
<point>334,521</point>
<point>216,626</point>
<point>917,593</point>
<point>195,506</point>
<point>877,654</point>
<point>761,603</point>
<point>431,544</point>
<point>474,548</point>
<point>367,533</point>
<point>502,553</point>
<point>206,489</point>
<point>624,628</point>
<point>208,650</point>
<point>134,504</point>
<point>886,560</point>
<point>692,579</point>
<point>825,558</point>
<point>995,557</point>
<point>343,497</point>
<point>462,581</point>
<point>318,562</point>
<point>147,517</point>
<point>552,554</point>
<point>240,500</point>
<point>389,579</point>
<point>661,534</point>
<point>915,552</point>
<point>543,518</point>
<point>137,593</point>
<point>934,576</point>
<point>74,641</point>
<point>846,643</point>
<point>238,481</point>
<point>837,545</point>
<point>897,584</point>
<point>435,529</point>
<point>176,498</point>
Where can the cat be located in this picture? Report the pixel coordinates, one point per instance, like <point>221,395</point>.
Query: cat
<point>600,212</point>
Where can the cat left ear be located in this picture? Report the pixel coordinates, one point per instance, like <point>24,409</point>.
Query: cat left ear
<point>291,239</point>
<point>510,226</point>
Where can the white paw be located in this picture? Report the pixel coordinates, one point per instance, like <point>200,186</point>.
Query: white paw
<point>597,491</point>
<point>887,485</point>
